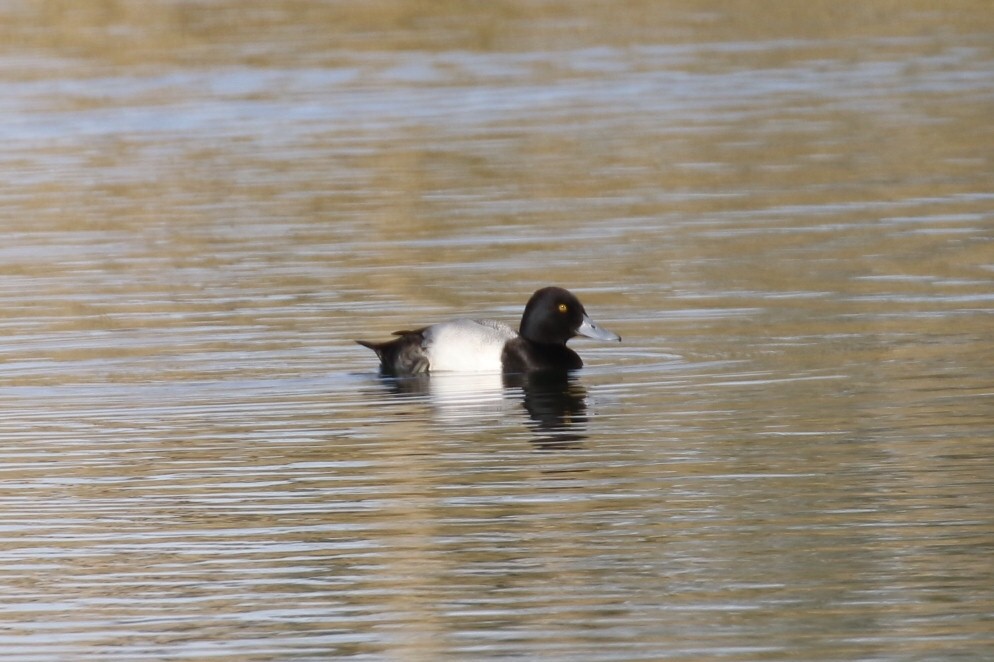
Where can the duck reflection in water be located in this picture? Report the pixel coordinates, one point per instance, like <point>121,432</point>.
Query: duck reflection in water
<point>556,403</point>
<point>554,400</point>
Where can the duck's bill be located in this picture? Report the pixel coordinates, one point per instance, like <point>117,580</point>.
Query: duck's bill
<point>591,330</point>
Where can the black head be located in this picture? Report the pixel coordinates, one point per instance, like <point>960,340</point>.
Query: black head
<point>553,316</point>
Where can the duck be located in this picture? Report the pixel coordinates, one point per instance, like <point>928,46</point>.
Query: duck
<point>552,316</point>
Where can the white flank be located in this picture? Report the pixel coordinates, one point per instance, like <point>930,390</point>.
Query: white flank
<point>467,345</point>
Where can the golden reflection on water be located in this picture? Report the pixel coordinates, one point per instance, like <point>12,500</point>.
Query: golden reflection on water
<point>786,213</point>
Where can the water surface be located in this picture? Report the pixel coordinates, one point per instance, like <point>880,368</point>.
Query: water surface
<point>787,216</point>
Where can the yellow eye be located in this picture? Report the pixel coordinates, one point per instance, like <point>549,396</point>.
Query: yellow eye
<point>563,307</point>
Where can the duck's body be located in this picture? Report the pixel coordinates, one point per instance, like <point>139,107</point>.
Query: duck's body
<point>552,316</point>
<point>460,345</point>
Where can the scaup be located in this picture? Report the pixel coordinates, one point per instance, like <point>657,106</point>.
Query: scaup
<point>551,317</point>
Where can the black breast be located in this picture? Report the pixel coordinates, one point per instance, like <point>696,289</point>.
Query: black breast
<point>521,355</point>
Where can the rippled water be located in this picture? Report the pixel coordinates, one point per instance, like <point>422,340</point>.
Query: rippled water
<point>788,216</point>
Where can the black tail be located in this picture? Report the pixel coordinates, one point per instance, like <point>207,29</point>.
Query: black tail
<point>402,356</point>
<point>375,346</point>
